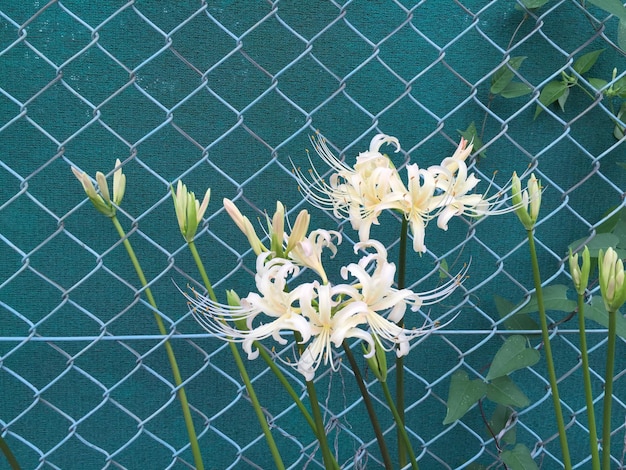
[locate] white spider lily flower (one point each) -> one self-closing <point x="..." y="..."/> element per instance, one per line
<point x="331" y="323"/>
<point x="102" y="202"/>
<point x="189" y="211"/>
<point x="359" y="194"/>
<point x="271" y="301"/>
<point x="308" y="251"/>
<point x="419" y="203"/>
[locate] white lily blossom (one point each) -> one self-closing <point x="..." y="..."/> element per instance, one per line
<point x="361" y="193"/>
<point x="323" y="314"/>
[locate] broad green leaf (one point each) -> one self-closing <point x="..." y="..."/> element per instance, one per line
<point x="515" y="89"/>
<point x="549" y="94"/>
<point x="596" y="311"/>
<point x="597" y="83"/>
<point x="471" y="135"/>
<point x="532" y="4"/>
<point x="554" y="298"/>
<point x="503" y="76"/>
<point x="614" y="7"/>
<point x="514" y="322"/>
<point x="463" y="394"/>
<point x="503" y="391"/>
<point x="514" y="354"/>
<point x="610" y="225"/>
<point x="618" y="131"/>
<point x="586" y="61"/>
<point x="499" y="420"/>
<point x="519" y="458"/>
<point x="601" y="241"/>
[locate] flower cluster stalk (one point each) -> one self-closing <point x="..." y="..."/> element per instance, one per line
<point x="9" y="455"/>
<point x="608" y="392"/>
<point x="369" y="406"/>
<point x="402" y="430"/>
<point x="404" y="231"/>
<point x="180" y="391"/>
<point x="591" y="419"/>
<point x="545" y="336"/>
<point x="580" y="278"/>
<point x="256" y="405"/>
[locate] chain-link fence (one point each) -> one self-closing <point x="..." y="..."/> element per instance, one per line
<point x="225" y="94"/>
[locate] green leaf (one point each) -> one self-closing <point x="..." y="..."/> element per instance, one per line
<point x="514" y="322"/>
<point x="600" y="241"/>
<point x="550" y="93"/>
<point x="471" y="135"/>
<point x="513" y="355"/>
<point x="503" y="76"/>
<point x="443" y="269"/>
<point x="596" y="311"/>
<point x="463" y="394"/>
<point x="515" y="89"/>
<point x="597" y="83"/>
<point x="614" y="7"/>
<point x="503" y="391"/>
<point x="499" y="420"/>
<point x="586" y="61"/>
<point x="519" y="458"/>
<point x="554" y="298"/>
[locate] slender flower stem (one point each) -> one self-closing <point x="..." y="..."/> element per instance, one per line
<point x="548" y="350"/>
<point x="182" y="396"/>
<point x="404" y="230"/>
<point x="591" y="417"/>
<point x="401" y="428"/>
<point x="9" y="455"/>
<point x="242" y="368"/>
<point x="367" y="400"/>
<point x="329" y="460"/>
<point x="330" y="463"/>
<point x="608" y="392"/>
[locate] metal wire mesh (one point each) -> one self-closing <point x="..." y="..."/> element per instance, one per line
<point x="225" y="95"/>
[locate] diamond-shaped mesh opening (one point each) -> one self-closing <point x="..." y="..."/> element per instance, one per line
<point x="225" y="95"/>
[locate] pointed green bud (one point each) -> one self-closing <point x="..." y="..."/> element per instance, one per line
<point x="376" y="360"/>
<point x="580" y="274"/>
<point x="612" y="285"/>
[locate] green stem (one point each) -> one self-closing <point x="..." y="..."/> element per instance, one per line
<point x="9" y="455"/>
<point x="404" y="230"/>
<point x="329" y="460"/>
<point x="180" y="391"/>
<point x="278" y="461"/>
<point x="548" y="350"/>
<point x="367" y="400"/>
<point x="608" y="393"/>
<point x="400" y="424"/>
<point x="591" y="417"/>
<point x="285" y="383"/>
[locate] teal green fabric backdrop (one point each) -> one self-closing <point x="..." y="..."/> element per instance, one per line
<point x="226" y="94"/>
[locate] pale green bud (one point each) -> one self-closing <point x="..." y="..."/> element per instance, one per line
<point x="189" y="211"/>
<point x="102" y="202"/>
<point x="376" y="360"/>
<point x="580" y="274"/>
<point x="612" y="285"/>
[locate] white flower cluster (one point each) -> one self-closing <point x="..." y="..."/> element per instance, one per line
<point x="362" y="192"/>
<point x="324" y="314"/>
